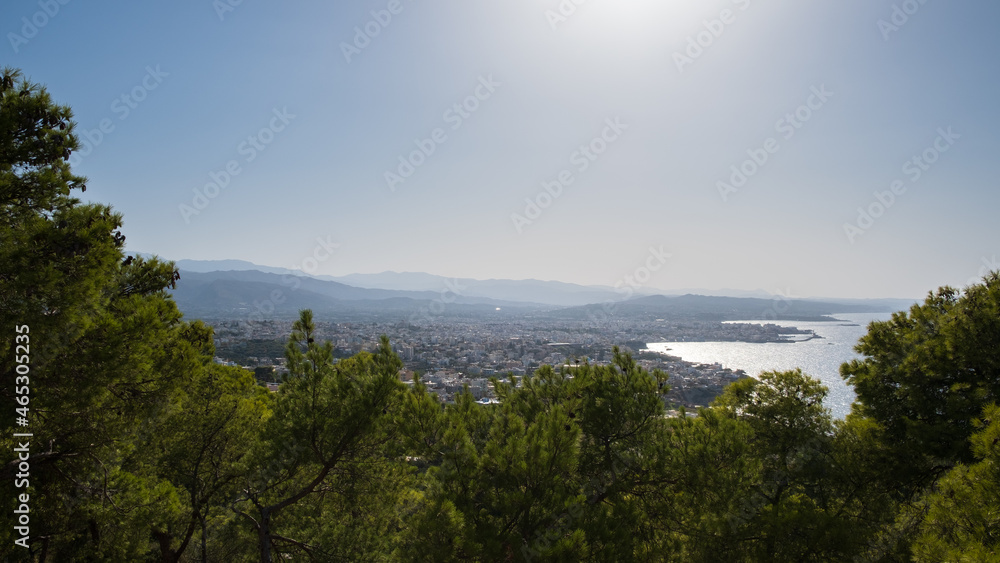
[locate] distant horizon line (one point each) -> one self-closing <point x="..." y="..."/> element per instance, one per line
<point x="756" y="293"/>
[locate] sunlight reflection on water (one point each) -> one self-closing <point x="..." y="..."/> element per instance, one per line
<point x="820" y="357"/>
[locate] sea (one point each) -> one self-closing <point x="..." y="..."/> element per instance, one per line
<point x="819" y="357"/>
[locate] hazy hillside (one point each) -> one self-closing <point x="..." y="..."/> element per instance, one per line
<point x="716" y="308"/>
<point x="241" y="293"/>
<point x="250" y="293"/>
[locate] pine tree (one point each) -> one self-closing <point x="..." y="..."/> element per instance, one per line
<point x="928" y="374"/>
<point x="323" y="453"/>
<point x="106" y="346"/>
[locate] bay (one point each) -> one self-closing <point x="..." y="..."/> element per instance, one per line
<point x="819" y="357"/>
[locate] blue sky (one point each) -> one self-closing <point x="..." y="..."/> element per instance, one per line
<point x="740" y="137"/>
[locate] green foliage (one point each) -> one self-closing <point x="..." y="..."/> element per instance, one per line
<point x="322" y="455"/>
<point x="784" y="408"/>
<point x="702" y="501"/>
<point x="790" y="515"/>
<point x="36" y="139"/>
<point x="199" y="443"/>
<point x="927" y="374"/>
<point x="925" y="377"/>
<point x="862" y="488"/>
<point x="107" y="346"/>
<point x="553" y="472"/>
<point x="963" y="515"/>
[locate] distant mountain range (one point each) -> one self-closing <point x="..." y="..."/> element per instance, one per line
<point x="253" y="294"/>
<point x="519" y="291"/>
<point x="713" y="308"/>
<point x="222" y="288"/>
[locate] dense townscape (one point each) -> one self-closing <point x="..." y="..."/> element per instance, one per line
<point x="450" y="355"/>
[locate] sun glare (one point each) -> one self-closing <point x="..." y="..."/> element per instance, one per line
<point x="647" y="12"/>
<point x="622" y="18"/>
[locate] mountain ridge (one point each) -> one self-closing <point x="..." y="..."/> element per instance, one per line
<point x="422" y="286"/>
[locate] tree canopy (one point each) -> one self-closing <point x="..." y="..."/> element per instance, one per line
<point x="927" y="374"/>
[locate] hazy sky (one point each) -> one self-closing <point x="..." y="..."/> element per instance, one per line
<point x="251" y="130"/>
